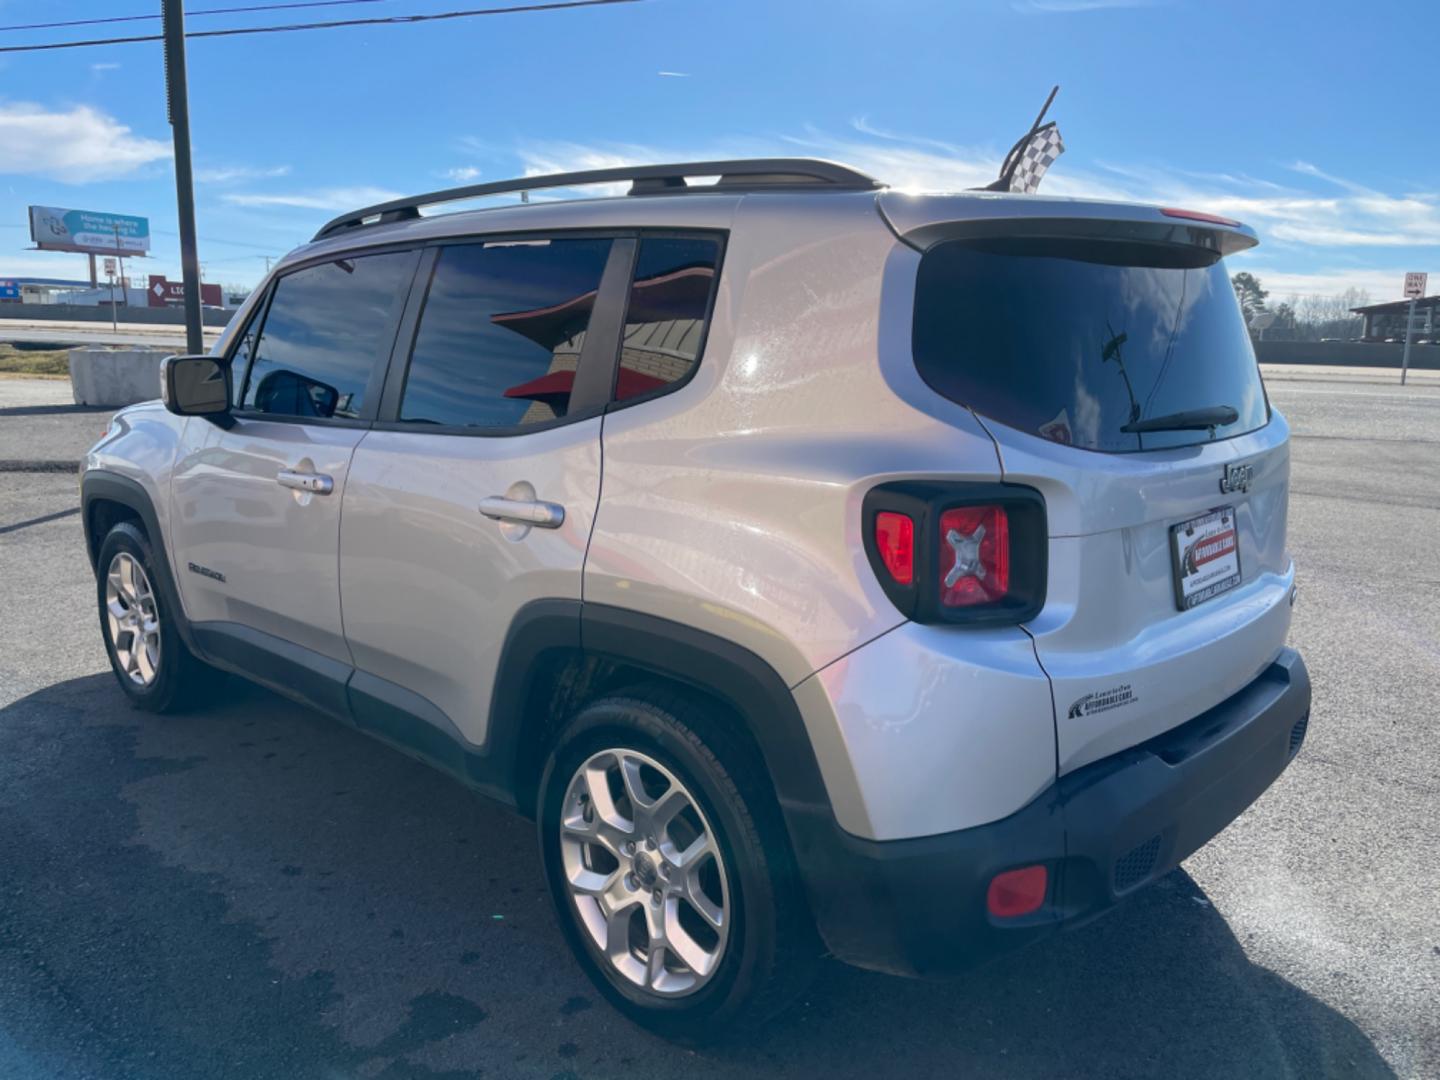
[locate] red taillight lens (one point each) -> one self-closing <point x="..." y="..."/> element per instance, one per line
<point x="895" y="540"/>
<point x="1017" y="892"/>
<point x="974" y="555"/>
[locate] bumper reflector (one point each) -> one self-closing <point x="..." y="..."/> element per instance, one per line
<point x="1017" y="892"/>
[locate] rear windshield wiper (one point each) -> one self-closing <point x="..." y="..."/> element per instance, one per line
<point x="1189" y="420"/>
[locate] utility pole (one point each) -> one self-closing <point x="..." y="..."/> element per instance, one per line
<point x="114" y="311"/>
<point x="178" y="99"/>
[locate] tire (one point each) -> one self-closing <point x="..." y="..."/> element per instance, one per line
<point x="154" y="668"/>
<point x="711" y="981"/>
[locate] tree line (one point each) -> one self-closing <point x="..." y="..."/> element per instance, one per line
<point x="1301" y="317"/>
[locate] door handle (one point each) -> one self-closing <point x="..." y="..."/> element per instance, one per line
<point x="315" y="483"/>
<point x="542" y="515"/>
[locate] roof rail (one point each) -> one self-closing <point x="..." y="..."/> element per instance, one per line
<point x="790" y="174"/>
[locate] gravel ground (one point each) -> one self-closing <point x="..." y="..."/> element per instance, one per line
<point x="254" y="891"/>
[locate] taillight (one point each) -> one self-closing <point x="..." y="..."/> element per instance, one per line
<point x="895" y="539"/>
<point x="971" y="553"/>
<point x="1017" y="892"/>
<point x="974" y="556"/>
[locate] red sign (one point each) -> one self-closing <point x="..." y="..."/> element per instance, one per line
<point x="163" y="293"/>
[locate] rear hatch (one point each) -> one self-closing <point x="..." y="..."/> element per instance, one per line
<point x="1103" y="348"/>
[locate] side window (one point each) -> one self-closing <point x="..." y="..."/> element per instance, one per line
<point x="501" y="332"/>
<point x="665" y="322"/>
<point x="243" y="352"/>
<point x="324" y="334"/>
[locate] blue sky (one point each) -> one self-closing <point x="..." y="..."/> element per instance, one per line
<point x="1309" y="120"/>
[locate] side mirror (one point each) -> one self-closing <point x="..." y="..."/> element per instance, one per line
<point x="195" y="385"/>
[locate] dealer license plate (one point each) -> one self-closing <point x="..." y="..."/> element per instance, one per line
<point x="1206" y="555"/>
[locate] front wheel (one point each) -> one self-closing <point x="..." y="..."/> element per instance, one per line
<point x="154" y="668"/>
<point x="670" y="868"/>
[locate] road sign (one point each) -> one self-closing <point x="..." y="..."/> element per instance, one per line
<point x="9" y="289"/>
<point x="1263" y="320"/>
<point x="1415" y="286"/>
<point x="109" y="267"/>
<point x="56" y="229"/>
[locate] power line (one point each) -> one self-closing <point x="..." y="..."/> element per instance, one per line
<point x="391" y="20"/>
<point x="189" y="14"/>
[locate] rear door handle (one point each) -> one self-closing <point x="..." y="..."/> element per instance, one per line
<point x="315" y="483"/>
<point x="542" y="515"/>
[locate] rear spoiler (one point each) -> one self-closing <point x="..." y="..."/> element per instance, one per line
<point x="922" y="221"/>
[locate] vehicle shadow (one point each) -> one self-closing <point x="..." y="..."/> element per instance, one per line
<point x="255" y="891"/>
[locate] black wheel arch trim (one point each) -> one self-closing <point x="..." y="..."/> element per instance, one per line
<point x="101" y="485"/>
<point x="716" y="666"/>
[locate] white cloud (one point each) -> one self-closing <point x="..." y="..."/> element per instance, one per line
<point x="75" y="145"/>
<point x="351" y="198"/>
<point x="461" y="174"/>
<point x="101" y="68"/>
<point x="1310" y="228"/>
<point x="673" y="74"/>
<point x="229" y="174"/>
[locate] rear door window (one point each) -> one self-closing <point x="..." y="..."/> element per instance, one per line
<point x="1075" y="340"/>
<point x="501" y="333"/>
<point x="328" y="329"/>
<point x="666" y="316"/>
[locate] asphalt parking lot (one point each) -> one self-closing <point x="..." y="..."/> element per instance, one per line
<point x="254" y="891"/>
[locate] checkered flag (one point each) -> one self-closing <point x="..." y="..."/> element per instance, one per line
<point x="1036" y="156"/>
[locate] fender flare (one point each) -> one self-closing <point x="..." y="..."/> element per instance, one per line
<point x="102" y="485"/>
<point x="711" y="665"/>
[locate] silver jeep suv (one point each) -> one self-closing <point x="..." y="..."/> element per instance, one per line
<point x="825" y="568"/>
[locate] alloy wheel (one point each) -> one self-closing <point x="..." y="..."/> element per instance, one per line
<point x="645" y="872"/>
<point x="133" y="619"/>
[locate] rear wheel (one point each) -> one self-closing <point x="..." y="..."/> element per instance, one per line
<point x="154" y="668"/>
<point x="670" y="869"/>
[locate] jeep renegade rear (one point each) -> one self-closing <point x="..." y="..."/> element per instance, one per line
<point x="825" y="569"/>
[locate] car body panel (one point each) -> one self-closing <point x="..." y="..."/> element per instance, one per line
<point x="272" y="547"/>
<point x="430" y="586"/>
<point x="1111" y="626"/>
<point x="733" y="504"/>
<point x="939" y="726"/>
<point x="140" y="444"/>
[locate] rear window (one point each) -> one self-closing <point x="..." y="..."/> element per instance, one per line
<point x="665" y="317"/>
<point x="1073" y="341"/>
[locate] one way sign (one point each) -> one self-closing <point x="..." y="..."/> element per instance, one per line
<point x="1415" y="286"/>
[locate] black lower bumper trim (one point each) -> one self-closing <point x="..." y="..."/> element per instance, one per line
<point x="918" y="906"/>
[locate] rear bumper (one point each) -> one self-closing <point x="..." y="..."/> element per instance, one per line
<point x="917" y="907"/>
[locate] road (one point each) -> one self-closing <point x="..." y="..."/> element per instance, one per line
<point x="97" y="333"/>
<point x="254" y="891"/>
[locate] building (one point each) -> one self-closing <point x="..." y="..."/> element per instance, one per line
<point x="33" y="290"/>
<point x="1386" y="322"/>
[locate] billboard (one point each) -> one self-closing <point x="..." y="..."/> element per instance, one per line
<point x="9" y="289"/>
<point x="163" y="293"/>
<point x="56" y="229"/>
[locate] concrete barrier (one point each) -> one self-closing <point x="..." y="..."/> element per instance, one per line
<point x="114" y="377"/>
<point x="1347" y="354"/>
